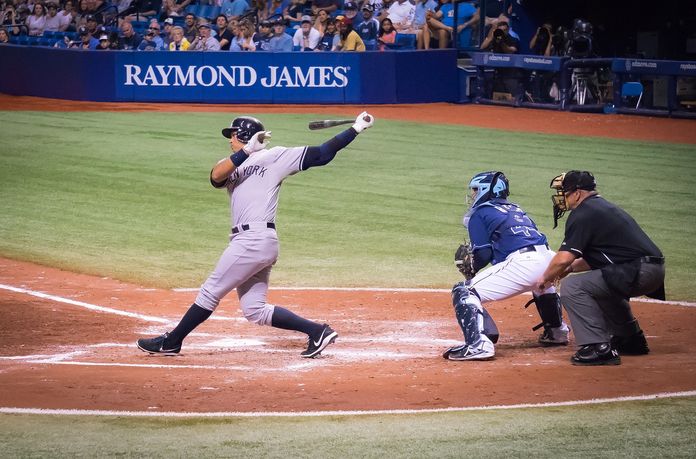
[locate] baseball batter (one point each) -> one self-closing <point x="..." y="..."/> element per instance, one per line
<point x="502" y="234"/>
<point x="252" y="175"/>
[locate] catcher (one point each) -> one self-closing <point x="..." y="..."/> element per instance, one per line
<point x="503" y="235"/>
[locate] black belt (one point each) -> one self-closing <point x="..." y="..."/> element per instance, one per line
<point x="653" y="260"/>
<point x="529" y="248"/>
<point x="245" y="227"/>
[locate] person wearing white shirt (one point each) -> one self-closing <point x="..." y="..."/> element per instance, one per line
<point x="307" y="37"/>
<point x="402" y="13"/>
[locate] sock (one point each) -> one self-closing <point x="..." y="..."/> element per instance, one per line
<point x="288" y="320"/>
<point x="195" y="316"/>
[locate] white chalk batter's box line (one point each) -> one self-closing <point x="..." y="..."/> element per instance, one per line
<point x="300" y="414"/>
<point x="419" y="290"/>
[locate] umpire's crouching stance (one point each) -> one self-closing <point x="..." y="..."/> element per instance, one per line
<point x="619" y="261"/>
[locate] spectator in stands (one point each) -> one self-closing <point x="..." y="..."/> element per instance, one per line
<point x="260" y="7"/>
<point x="53" y="21"/>
<point x="280" y="41"/>
<point x="234" y="8"/>
<point x="320" y="21"/>
<point x="190" y="27"/>
<point x="179" y="41"/>
<point x="148" y="43"/>
<point x="4" y="36"/>
<point x="439" y="25"/>
<point x="329" y="5"/>
<point x="402" y="13"/>
<point x="156" y="29"/>
<point x="224" y="36"/>
<point x="541" y="42"/>
<point x="276" y="7"/>
<point x="306" y="38"/>
<point x="11" y="21"/>
<point x="67" y="16"/>
<point x="204" y="41"/>
<point x="350" y="11"/>
<point x="350" y="40"/>
<point x="244" y="41"/>
<point x="129" y="38"/>
<point x="262" y="39"/>
<point x="384" y="11"/>
<point x="331" y="39"/>
<point x="377" y="7"/>
<point x="104" y="43"/>
<point x="422" y="8"/>
<point x="91" y="24"/>
<point x="465" y="32"/>
<point x="386" y="35"/>
<point x="36" y="21"/>
<point x="87" y="41"/>
<point x="143" y="9"/>
<point x="368" y="27"/>
<point x="178" y="7"/>
<point x="166" y="34"/>
<point x="293" y="13"/>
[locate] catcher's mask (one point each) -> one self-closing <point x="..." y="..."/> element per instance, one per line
<point x="244" y="127"/>
<point x="486" y="186"/>
<point x="566" y="183"/>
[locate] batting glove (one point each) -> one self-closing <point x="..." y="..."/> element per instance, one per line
<point x="258" y="142"/>
<point x="363" y="121"/>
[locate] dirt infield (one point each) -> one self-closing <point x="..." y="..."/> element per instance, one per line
<point x="73" y="347"/>
<point x="66" y="356"/>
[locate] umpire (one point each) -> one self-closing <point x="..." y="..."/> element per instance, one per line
<point x="615" y="260"/>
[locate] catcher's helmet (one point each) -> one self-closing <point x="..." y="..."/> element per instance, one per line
<point x="244" y="127"/>
<point x="488" y="185"/>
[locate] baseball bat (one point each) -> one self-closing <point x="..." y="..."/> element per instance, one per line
<point x="323" y="124"/>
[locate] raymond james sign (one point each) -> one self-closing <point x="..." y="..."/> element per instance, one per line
<point x="235" y="76"/>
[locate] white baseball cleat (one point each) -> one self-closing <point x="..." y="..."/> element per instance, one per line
<point x="483" y="350"/>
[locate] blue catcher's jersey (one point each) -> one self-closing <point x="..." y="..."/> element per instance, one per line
<point x="504" y="227"/>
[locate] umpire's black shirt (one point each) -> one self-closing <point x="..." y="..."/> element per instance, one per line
<point x="602" y="233"/>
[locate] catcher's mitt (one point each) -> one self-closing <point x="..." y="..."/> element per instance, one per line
<point x="464" y="259"/>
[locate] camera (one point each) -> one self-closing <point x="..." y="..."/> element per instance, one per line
<point x="498" y="34"/>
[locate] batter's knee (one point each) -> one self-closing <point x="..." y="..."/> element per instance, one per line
<point x="258" y="313"/>
<point x="207" y="300"/>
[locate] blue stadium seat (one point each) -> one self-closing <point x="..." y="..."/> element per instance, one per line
<point x="403" y="41"/>
<point x="21" y="40"/>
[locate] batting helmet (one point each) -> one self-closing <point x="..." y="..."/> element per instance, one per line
<point x="488" y="185"/>
<point x="244" y="127"/>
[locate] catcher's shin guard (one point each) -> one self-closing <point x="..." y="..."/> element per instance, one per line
<point x="549" y="307"/>
<point x="473" y="319"/>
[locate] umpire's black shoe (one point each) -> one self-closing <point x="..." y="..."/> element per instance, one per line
<point x="315" y="346"/>
<point x="635" y="344"/>
<point x="596" y="354"/>
<point x="158" y="346"/>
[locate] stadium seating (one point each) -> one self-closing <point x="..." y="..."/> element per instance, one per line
<point x="403" y="41"/>
<point x="632" y="89"/>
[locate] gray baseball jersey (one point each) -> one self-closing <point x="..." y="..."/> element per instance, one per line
<point x="253" y="249"/>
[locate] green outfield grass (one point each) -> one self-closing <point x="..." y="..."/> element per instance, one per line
<point x="126" y="195"/>
<point x="657" y="428"/>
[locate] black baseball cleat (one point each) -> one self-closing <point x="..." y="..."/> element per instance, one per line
<point x="156" y="345"/>
<point x="314" y="347"/>
<point x="596" y="354"/>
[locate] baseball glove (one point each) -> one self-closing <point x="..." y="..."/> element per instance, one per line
<point x="464" y="259"/>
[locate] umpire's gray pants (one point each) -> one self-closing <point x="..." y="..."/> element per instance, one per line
<point x="596" y="313"/>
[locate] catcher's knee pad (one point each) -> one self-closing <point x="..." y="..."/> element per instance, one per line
<point x="258" y="313"/>
<point x="468" y="310"/>
<point x="549" y="307"/>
